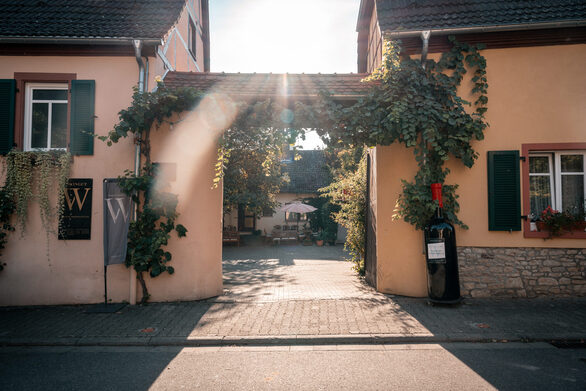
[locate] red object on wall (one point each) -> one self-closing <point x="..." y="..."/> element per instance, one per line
<point x="436" y="193"/>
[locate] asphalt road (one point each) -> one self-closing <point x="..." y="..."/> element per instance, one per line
<point x="463" y="366"/>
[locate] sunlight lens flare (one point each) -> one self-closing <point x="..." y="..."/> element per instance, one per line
<point x="191" y="145"/>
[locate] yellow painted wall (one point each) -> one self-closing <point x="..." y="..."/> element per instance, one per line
<point x="536" y="95"/>
<point x="400" y="262"/>
<point x="73" y="272"/>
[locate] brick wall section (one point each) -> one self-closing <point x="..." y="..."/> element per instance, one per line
<point x="522" y="272"/>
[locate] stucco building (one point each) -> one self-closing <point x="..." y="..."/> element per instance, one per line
<point x="533" y="154"/>
<point x="82" y="59"/>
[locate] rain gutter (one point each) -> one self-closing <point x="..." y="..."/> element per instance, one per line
<point x="78" y="41"/>
<point x="488" y="29"/>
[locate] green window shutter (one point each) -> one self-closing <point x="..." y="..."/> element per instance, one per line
<point x="82" y="117"/>
<point x="7" y="94"/>
<point x="504" y="198"/>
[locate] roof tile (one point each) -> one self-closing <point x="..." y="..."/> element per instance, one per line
<point x="306" y="174"/>
<point x="405" y="15"/>
<point x="89" y="18"/>
<point x="263" y="85"/>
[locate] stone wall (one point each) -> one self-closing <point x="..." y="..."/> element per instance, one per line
<point x="522" y="272"/>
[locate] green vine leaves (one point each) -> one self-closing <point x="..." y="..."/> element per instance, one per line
<point x="419" y="107"/>
<point x="156" y="211"/>
<point x="151" y="108"/>
<point x="6" y="210"/>
<point x="349" y="193"/>
<point x="49" y="170"/>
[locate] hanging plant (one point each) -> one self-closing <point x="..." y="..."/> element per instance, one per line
<point x="50" y="171"/>
<point x="6" y="211"/>
<point x="19" y="182"/>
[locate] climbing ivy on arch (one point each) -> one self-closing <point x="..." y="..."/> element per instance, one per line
<point x="258" y="128"/>
<point x="421" y="107"/>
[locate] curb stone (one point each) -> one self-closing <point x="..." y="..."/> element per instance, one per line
<point x="366" y="339"/>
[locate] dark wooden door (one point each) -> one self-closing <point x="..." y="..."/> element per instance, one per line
<point x="246" y="220"/>
<point x="370" y="245"/>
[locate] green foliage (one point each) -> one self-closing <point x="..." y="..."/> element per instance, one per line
<point x="556" y="222"/>
<point x="248" y="161"/>
<point x="19" y="182"/>
<point x="156" y="210"/>
<point x="250" y="156"/>
<point x="322" y="220"/>
<point x="151" y="108"/>
<point x="49" y="171"/>
<point x="348" y="192"/>
<point x="420" y="108"/>
<point x="7" y="208"/>
<point x="155" y="221"/>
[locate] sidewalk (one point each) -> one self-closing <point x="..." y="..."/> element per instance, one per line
<point x="388" y="320"/>
<point x="283" y="295"/>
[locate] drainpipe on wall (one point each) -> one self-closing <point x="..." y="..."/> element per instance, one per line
<point x="425" y="38"/>
<point x="146" y="74"/>
<point x="137" y="44"/>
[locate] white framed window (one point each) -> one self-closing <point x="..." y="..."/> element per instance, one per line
<point x="192" y="39"/>
<point x="557" y="179"/>
<point x="45" y="116"/>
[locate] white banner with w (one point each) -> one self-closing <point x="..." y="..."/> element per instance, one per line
<point x="117" y="211"/>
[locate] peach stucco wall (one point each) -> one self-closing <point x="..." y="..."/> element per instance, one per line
<point x="536" y="95"/>
<point x="71" y="272"/>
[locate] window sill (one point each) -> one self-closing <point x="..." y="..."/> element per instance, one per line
<point x="545" y="234"/>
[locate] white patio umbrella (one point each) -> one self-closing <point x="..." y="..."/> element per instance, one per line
<point x="298" y="207"/>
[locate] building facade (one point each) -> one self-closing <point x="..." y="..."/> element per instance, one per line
<point x="533" y="154"/>
<point x="77" y="63"/>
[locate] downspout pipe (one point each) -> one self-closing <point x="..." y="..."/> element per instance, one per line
<point x="425" y="46"/>
<point x="489" y="29"/>
<point x="137" y="45"/>
<point x="425" y="39"/>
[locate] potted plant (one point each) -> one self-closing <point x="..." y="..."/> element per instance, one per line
<point x="556" y="222"/>
<point x="319" y="239"/>
<point x="330" y="237"/>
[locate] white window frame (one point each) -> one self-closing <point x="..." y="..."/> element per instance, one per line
<point x="558" y="174"/>
<point x="28" y="110"/>
<point x="555" y="174"/>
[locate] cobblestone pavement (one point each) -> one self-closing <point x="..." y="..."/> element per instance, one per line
<point x="291" y="272"/>
<point x="292" y="293"/>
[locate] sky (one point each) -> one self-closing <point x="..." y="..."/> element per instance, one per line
<point x="279" y="36"/>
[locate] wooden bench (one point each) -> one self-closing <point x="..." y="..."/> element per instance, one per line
<point x="231" y="237"/>
<point x="279" y="234"/>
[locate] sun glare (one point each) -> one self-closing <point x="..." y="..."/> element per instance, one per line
<point x="282" y="36"/>
<point x="191" y="141"/>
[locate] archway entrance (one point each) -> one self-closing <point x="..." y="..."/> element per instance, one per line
<point x="268" y="256"/>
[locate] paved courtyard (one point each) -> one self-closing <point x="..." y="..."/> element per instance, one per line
<point x="291" y="272"/>
<point x="293" y="294"/>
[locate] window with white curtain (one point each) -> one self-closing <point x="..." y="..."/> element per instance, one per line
<point x="557" y="179"/>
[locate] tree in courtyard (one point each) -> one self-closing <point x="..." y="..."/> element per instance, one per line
<point x="251" y="157"/>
